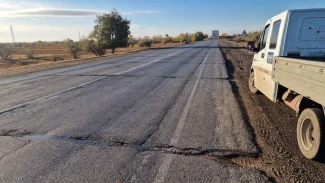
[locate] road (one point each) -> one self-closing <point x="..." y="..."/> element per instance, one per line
<point x="163" y="116"/>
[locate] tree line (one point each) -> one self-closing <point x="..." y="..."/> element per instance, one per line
<point x="110" y="32"/>
<point x="251" y="36"/>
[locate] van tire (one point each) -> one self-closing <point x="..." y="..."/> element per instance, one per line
<point x="310" y="133"/>
<point x="251" y="84"/>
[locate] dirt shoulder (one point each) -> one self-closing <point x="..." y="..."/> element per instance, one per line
<point x="48" y="65"/>
<point x="273" y="125"/>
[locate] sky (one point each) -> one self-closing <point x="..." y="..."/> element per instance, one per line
<point x="55" y="20"/>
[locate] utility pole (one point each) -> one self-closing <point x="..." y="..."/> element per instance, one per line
<point x="79" y="35"/>
<point x="12" y="34"/>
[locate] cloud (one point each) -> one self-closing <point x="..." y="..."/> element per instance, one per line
<point x="62" y="13"/>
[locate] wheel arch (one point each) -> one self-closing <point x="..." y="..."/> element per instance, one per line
<point x="296" y="101"/>
<point x="307" y="103"/>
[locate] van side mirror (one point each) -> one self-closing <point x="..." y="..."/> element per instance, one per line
<point x="251" y="47"/>
<point x="257" y="49"/>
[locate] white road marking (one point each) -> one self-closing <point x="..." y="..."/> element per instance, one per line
<point x="44" y="98"/>
<point x="164" y="167"/>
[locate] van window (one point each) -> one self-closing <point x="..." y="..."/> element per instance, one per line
<point x="265" y="34"/>
<point x="275" y="33"/>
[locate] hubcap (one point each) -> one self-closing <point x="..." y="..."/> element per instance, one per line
<point x="308" y="134"/>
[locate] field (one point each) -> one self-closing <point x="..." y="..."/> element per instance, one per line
<point x="44" y="54"/>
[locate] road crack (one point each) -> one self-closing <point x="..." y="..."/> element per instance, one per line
<point x="226" y="154"/>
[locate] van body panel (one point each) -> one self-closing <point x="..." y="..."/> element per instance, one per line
<point x="306" y="40"/>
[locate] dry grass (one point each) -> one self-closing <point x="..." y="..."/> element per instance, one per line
<point x="43" y="54"/>
<point x="19" y="65"/>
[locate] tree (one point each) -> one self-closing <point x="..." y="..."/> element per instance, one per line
<point x="181" y="38"/>
<point x="6" y="50"/>
<point x="194" y="38"/>
<point x="200" y="36"/>
<point x="206" y="36"/>
<point x="111" y="31"/>
<point x="224" y="35"/>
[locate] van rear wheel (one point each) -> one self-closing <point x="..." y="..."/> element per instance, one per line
<point x="251" y="83"/>
<point x="310" y="133"/>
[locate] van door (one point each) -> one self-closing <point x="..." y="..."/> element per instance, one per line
<point x="261" y="72"/>
<point x="264" y="60"/>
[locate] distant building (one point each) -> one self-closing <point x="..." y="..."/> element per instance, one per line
<point x="244" y="34"/>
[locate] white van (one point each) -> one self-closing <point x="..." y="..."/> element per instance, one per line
<point x="289" y="66"/>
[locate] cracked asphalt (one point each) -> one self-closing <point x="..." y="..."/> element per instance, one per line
<point x="163" y="116"/>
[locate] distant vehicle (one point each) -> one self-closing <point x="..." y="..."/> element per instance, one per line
<point x="215" y="34"/>
<point x="289" y="66"/>
<point x="186" y="42"/>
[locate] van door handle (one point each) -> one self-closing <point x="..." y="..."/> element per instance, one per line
<point x="263" y="55"/>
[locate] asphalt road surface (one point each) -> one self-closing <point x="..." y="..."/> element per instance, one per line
<point x="163" y="116"/>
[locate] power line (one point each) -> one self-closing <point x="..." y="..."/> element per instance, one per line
<point x="12" y="34"/>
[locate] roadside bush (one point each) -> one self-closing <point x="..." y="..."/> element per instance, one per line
<point x="6" y="50"/>
<point x="157" y="39"/>
<point x="145" y="43"/>
<point x="57" y="58"/>
<point x="92" y="46"/>
<point x="239" y="39"/>
<point x="253" y="36"/>
<point x="72" y="47"/>
<point x="29" y="52"/>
